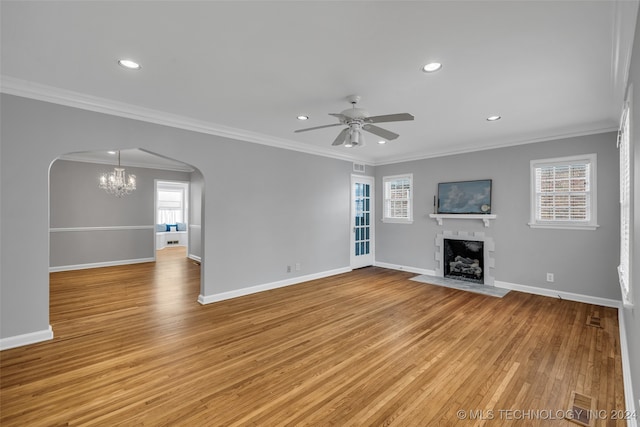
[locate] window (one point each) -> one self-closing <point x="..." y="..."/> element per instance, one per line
<point x="563" y="193"/>
<point x="398" y="198"/>
<point x="624" y="145"/>
<point x="171" y="202"/>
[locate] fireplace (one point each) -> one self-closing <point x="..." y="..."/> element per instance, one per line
<point x="464" y="260"/>
<point x="465" y="256"/>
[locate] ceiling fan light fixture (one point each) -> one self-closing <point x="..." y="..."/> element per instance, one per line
<point x="303" y="117"/>
<point x="382" y="141"/>
<point x="354" y="137"/>
<point x="493" y="118"/>
<point x="432" y="67"/>
<point x="359" y="121"/>
<point x="129" y="64"/>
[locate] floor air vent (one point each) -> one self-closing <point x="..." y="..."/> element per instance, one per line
<point x="594" y="320"/>
<point x="581" y="409"/>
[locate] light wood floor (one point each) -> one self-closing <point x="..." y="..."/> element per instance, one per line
<point x="133" y="347"/>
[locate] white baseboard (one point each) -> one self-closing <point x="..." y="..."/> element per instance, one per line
<point x="26" y="339"/>
<point x="405" y="268"/>
<point x="208" y="299"/>
<point x="99" y="264"/>
<point x="605" y="302"/>
<point x="629" y="401"/>
<point x="194" y="257"/>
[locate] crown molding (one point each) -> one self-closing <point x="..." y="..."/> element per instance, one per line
<point x="40" y="92"/>
<point x="551" y="137"/>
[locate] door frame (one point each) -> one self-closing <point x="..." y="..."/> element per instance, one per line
<point x="372" y="252"/>
<point x="187" y="208"/>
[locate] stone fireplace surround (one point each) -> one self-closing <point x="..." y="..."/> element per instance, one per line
<point x="489" y="251"/>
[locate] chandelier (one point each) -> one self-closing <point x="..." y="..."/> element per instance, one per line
<point x="116" y="182"/>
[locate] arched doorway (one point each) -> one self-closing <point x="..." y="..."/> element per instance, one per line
<point x="90" y="228"/>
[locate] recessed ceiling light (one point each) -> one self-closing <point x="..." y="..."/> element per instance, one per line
<point x="493" y="118"/>
<point x="432" y="67"/>
<point x="382" y="141"/>
<point x="127" y="63"/>
<point x="112" y="152"/>
<point x="303" y="117"/>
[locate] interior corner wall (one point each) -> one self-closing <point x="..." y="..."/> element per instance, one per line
<point x="632" y="315"/>
<point x="264" y="207"/>
<point x="583" y="262"/>
<point x="89" y="226"/>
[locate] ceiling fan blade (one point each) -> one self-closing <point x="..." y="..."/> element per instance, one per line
<point x="341" y="137"/>
<point x="383" y="133"/>
<point x="318" y="127"/>
<point x="400" y="117"/>
<point x="340" y="116"/>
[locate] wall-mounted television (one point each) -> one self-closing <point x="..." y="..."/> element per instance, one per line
<point x="464" y="197"/>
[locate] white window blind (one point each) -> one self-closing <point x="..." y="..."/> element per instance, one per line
<point x="171" y="206"/>
<point x="398" y="198"/>
<point x="624" y="142"/>
<point x="563" y="192"/>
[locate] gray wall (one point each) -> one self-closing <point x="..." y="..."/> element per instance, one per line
<point x="264" y="207"/>
<point x="584" y="262"/>
<point x="77" y="202"/>
<point x="632" y="315"/>
<point x="196" y="192"/>
<point x="272" y="208"/>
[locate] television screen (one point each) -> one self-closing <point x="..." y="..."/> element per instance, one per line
<point x="464" y="197"/>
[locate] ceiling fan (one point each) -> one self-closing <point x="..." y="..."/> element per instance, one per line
<point x="357" y="120"/>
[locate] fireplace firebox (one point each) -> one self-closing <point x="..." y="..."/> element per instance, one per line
<point x="478" y="247"/>
<point x="464" y="260"/>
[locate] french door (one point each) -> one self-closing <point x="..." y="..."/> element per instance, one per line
<point x="362" y="221"/>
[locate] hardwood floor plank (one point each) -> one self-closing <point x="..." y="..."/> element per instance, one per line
<point x="133" y="347"/>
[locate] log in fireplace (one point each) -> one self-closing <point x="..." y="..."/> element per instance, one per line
<point x="464" y="260"/>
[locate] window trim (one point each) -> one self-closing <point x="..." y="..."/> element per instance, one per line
<point x="592" y="224"/>
<point x="391" y="220"/>
<point x="626" y="241"/>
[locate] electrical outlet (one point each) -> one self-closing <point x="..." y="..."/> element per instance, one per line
<point x="298" y="266"/>
<point x="288" y="269"/>
<point x="550" y="277"/>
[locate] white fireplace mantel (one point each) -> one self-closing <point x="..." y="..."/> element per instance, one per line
<point x="484" y="217"/>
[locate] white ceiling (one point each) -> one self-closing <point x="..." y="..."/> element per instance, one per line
<point x="248" y="68"/>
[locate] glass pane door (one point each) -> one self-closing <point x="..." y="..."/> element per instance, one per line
<point x="363" y="219"/>
<point x="362" y="226"/>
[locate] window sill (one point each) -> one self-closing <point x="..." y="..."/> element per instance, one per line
<point x="397" y="221"/>
<point x="590" y="227"/>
